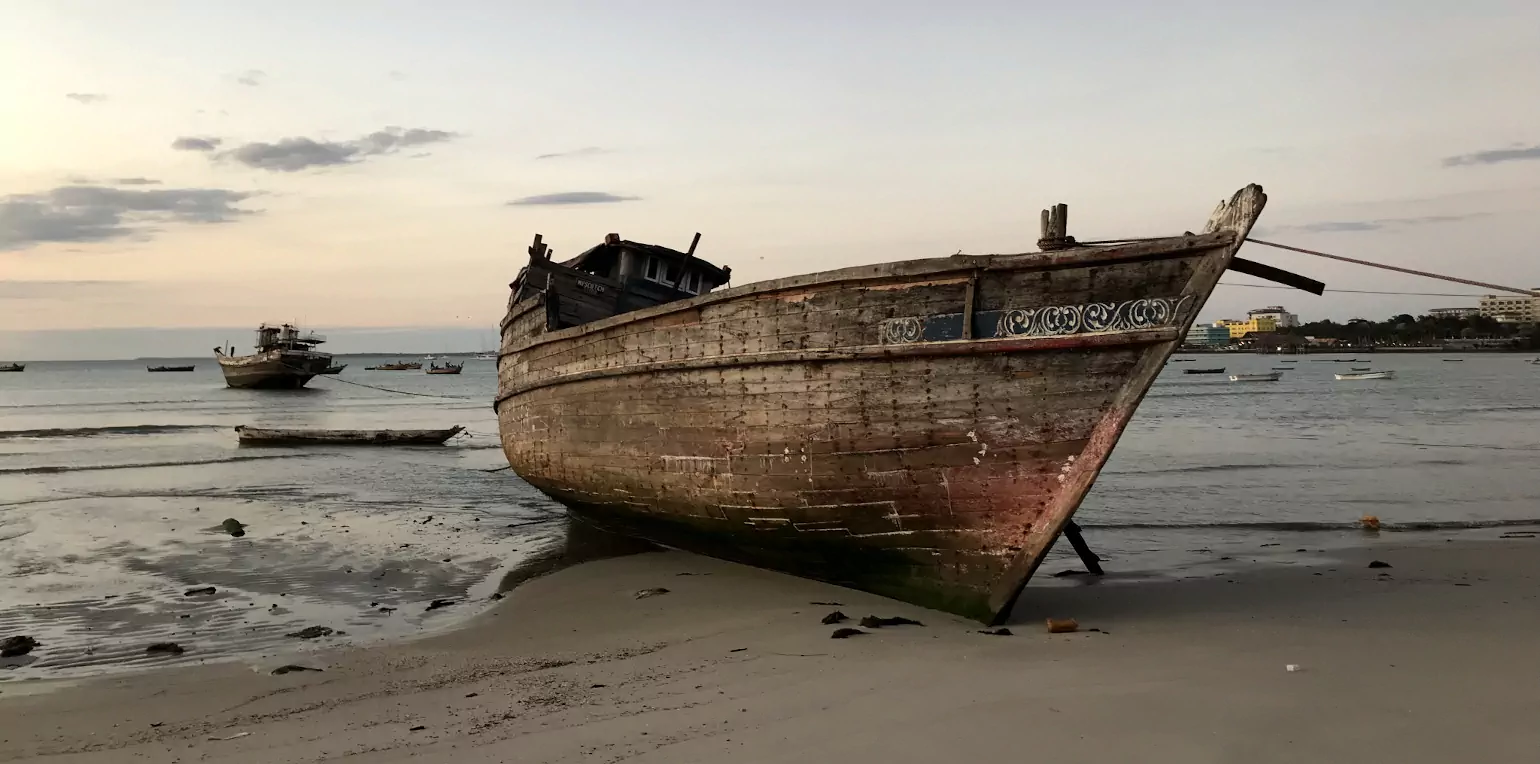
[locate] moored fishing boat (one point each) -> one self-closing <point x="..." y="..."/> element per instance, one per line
<point x="257" y="436"/>
<point x="1367" y="375"/>
<point x="1269" y="377"/>
<point x="920" y="429"/>
<point x="447" y="368"/>
<point x="397" y="366"/>
<point x="13" y="367"/>
<point x="286" y="358"/>
<point x="1215" y="370"/>
<point x="335" y="368"/>
<point x="169" y="368"/>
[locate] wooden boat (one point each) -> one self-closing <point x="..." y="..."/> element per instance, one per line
<point x="255" y="436"/>
<point x="398" y="366"/>
<point x="920" y="429"/>
<point x="13" y="367"/>
<point x="1183" y="360"/>
<point x="1282" y="368"/>
<point x="1362" y="368"/>
<point x="1216" y="370"/>
<point x="1454" y="360"/>
<point x="1269" y="377"/>
<point x="286" y="358"/>
<point x="447" y="368"/>
<point x="334" y="368"/>
<point x="1288" y="362"/>
<point x="169" y="368"/>
<point x="1367" y="375"/>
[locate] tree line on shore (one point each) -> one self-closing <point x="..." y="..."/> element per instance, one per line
<point x="1406" y="329"/>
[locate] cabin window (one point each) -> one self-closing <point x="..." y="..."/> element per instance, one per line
<point x="691" y="282"/>
<point x="652" y="269"/>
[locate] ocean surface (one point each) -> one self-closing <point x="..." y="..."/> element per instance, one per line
<point x="114" y="482"/>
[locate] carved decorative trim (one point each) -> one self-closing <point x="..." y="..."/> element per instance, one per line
<point x="1046" y="321"/>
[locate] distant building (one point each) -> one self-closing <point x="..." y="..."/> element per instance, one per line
<point x="1514" y="307"/>
<point x="1208" y="336"/>
<point x="1255" y="324"/>
<point x="1454" y="312"/>
<point x="1281" y="318"/>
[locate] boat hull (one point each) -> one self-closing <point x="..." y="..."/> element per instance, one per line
<point x="922" y="430"/>
<point x="254" y="436"/>
<point x="273" y="370"/>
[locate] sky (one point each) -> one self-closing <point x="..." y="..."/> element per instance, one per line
<point x="172" y="172"/>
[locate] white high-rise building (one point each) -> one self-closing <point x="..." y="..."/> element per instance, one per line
<point x="1511" y="306"/>
<point x="1281" y="317"/>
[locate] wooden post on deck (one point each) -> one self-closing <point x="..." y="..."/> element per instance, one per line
<point x="1092" y="562"/>
<point x="538" y="250"/>
<point x="1055" y="229"/>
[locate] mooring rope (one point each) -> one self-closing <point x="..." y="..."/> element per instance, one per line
<point x="1396" y="268"/>
<point x="1351" y="291"/>
<point x="384" y="389"/>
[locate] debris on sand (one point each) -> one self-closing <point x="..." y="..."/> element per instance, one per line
<point x="199" y="591"/>
<point x="165" y="648"/>
<point x="311" y="632"/>
<point x="1062" y="625"/>
<point x="233" y="527"/>
<point x="1379" y="564"/>
<point x="835" y="617"/>
<point x="845" y="633"/>
<point x="291" y="668"/>
<point x="828" y="604"/>
<point x="1000" y="632"/>
<point x="1072" y="572"/>
<point x="436" y="604"/>
<point x="873" y="622"/>
<point x="653" y="592"/>
<point x="16" y="646"/>
<point x="1369" y="523"/>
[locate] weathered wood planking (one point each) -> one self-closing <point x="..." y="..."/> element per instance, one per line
<point x="921" y="429"/>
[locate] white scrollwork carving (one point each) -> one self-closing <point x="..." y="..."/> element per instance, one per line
<point x="901" y="330"/>
<point x="1061" y="320"/>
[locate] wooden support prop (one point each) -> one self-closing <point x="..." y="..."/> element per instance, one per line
<point x="1055" y="229"/>
<point x="693" y="243"/>
<point x="968" y="298"/>
<point x="1092" y="562"/>
<point x="538" y="249"/>
<point x="1276" y="275"/>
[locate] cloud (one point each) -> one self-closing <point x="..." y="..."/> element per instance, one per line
<point x="572" y="197"/>
<point x="396" y="75"/>
<point x="194" y="143"/>
<point x="91" y="213"/>
<point x="12" y="289"/>
<point x="136" y="182"/>
<point x="1378" y="224"/>
<point x="1494" y="156"/>
<point x="583" y="152"/>
<point x="251" y="77"/>
<point x="86" y="98"/>
<point x="301" y="153"/>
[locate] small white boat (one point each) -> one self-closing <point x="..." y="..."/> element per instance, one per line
<point x="1268" y="377"/>
<point x="1368" y="375"/>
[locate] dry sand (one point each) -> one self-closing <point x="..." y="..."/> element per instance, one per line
<point x="1434" y="662"/>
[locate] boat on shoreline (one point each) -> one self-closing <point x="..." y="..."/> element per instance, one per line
<point x="1269" y="377"/>
<point x="922" y="429"/>
<point x="286" y="359"/>
<point x="1367" y="375"/>
<point x="13" y="367"/>
<point x="256" y="436"/>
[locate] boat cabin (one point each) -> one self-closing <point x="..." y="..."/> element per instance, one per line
<point x="615" y="277"/>
<point x="286" y="337"/>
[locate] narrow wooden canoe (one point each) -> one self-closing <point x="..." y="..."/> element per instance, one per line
<point x="1273" y="376"/>
<point x="254" y="436"/>
<point x="920" y="429"/>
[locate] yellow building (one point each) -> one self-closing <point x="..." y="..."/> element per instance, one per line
<point x="1254" y="325"/>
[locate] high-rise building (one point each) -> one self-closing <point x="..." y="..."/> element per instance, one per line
<point x="1512" y="307"/>
<point x="1253" y="325"/>
<point x="1203" y="335"/>
<point x="1454" y="312"/>
<point x="1281" y="318"/>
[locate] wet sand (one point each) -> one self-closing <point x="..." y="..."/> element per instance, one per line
<point x="1429" y="660"/>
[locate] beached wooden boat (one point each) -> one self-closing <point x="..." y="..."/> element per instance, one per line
<point x="13" y="367"/>
<point x="169" y="368"/>
<point x="254" y="436"/>
<point x="1215" y="370"/>
<point x="1367" y="375"/>
<point x="286" y="359"/>
<point x="334" y="368"/>
<point x="447" y="368"/>
<point x="920" y="429"/>
<point x="1269" y="377"/>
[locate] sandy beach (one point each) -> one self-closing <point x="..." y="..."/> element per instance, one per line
<point x="1427" y="660"/>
